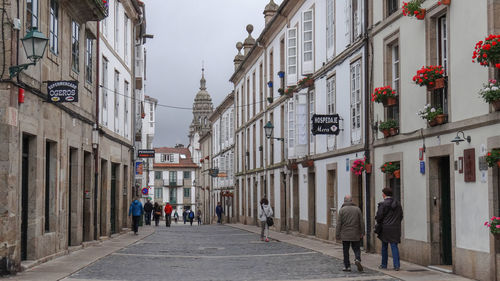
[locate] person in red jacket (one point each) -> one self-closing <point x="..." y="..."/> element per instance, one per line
<point x="168" y="214"/>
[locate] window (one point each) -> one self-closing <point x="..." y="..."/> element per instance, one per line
<point x="173" y="178"/>
<point x="307" y="47"/>
<point x="440" y="96"/>
<point x="261" y="87"/>
<point x="330" y="107"/>
<point x="330" y="27"/>
<point x="117" y="100"/>
<point x="292" y="55"/>
<point x="125" y="107"/>
<point x="54" y="27"/>
<point x="187" y="174"/>
<point x="104" y="24"/>
<point x="187" y="192"/>
<point x="125" y="38"/>
<point x="173" y="195"/>
<point x="104" y="90"/>
<point x="392" y="6"/>
<point x="158" y="175"/>
<point x="75" y="46"/>
<point x="231" y="123"/>
<point x="393" y="111"/>
<point x="291" y="124"/>
<point x="117" y="24"/>
<point x="353" y="20"/>
<point x="151" y="112"/>
<point x="31" y="14"/>
<point x="88" y="59"/>
<point x="271" y="72"/>
<point x="253" y="95"/>
<point x="312" y="110"/>
<point x="356" y="102"/>
<point x="158" y="192"/>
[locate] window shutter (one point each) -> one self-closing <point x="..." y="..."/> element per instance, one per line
<point x="291" y="62"/>
<point x="469" y="165"/>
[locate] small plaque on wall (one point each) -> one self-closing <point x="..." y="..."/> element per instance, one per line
<point x="470" y="165"/>
<point x="483" y="165"/>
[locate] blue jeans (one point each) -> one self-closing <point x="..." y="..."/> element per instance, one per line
<point x="395" y="254"/>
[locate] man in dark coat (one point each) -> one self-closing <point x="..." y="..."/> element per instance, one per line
<point x="148" y="209"/>
<point x="350" y="230"/>
<point x="388" y="218"/>
<point x="219" y="211"/>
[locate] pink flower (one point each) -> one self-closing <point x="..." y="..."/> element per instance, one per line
<point x="489" y="225"/>
<point x="485" y="223"/>
<point x="493" y="218"/>
<point x="498" y="226"/>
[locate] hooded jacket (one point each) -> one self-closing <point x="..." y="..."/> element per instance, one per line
<point x="265" y="211"/>
<point x="168" y="209"/>
<point x="148" y="207"/>
<point x="390" y="215"/>
<point x="135" y="209"/>
<point x="350" y="224"/>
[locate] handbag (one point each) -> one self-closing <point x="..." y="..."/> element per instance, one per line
<point x="378" y="229"/>
<point x="158" y="213"/>
<point x="269" y="220"/>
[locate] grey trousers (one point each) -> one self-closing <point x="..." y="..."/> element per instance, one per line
<point x="264" y="226"/>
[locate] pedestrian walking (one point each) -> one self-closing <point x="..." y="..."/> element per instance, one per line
<point x="265" y="212"/>
<point x="350" y="230"/>
<point x="176" y="216"/>
<point x="191" y="216"/>
<point x="388" y="227"/>
<point x="148" y="209"/>
<point x="219" y="211"/>
<point x="168" y="214"/>
<point x="157" y="213"/>
<point x="184" y="216"/>
<point x="136" y="211"/>
<point x="198" y="216"/>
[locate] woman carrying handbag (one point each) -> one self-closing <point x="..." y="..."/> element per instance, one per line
<point x="157" y="213"/>
<point x="265" y="217"/>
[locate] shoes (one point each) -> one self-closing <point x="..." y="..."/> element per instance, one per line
<point x="396" y="269"/>
<point x="267" y="239"/>
<point x="381" y="267"/>
<point x="347" y="269"/>
<point x="358" y="264"/>
<point x="135" y="233"/>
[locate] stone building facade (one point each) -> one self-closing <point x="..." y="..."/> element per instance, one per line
<point x="55" y="189"/>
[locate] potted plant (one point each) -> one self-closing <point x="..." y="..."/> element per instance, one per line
<point x="430" y="76"/>
<point x="389" y="128"/>
<point x="444" y="2"/>
<point x="358" y="166"/>
<point x="289" y="91"/>
<point x="281" y="91"/>
<point x="390" y="168"/>
<point x="494" y="225"/>
<point x="434" y="116"/>
<point x="385" y="95"/>
<point x="487" y="52"/>
<point x="270" y="99"/>
<point x="414" y="9"/>
<point x="491" y="94"/>
<point x="307" y="81"/>
<point x="493" y="158"/>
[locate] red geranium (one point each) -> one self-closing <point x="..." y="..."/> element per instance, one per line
<point x="428" y="74"/>
<point x="382" y="93"/>
<point x="412" y="8"/>
<point x="487" y="52"/>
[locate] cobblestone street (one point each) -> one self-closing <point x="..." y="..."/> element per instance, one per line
<point x="216" y="253"/>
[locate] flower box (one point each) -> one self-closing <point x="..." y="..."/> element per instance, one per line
<point x="307" y="81"/>
<point x="397" y="174"/>
<point x="389" y="128"/>
<point x="441" y="118"/>
<point x="386" y="133"/>
<point x="307" y="163"/>
<point x="487" y="52"/>
<point x="496" y="105"/>
<point x="491" y="93"/>
<point x="421" y="14"/>
<point x="389" y="168"/>
<point x="390" y="102"/>
<point x="393" y="131"/>
<point x="385" y="95"/>
<point x="438" y="84"/>
<point x="444" y="2"/>
<point x="427" y="75"/>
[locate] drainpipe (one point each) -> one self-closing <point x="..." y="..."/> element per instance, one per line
<point x="367" y="131"/>
<point x="96" y="128"/>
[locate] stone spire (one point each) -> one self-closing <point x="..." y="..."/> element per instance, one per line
<point x="250" y="41"/>
<point x="270" y="11"/>
<point x="238" y="59"/>
<point x="202" y="108"/>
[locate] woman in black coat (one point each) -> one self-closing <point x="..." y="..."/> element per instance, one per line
<point x="389" y="217"/>
<point x="157" y="213"/>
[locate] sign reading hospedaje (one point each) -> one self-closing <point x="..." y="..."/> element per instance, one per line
<point x="325" y="124"/>
<point x="62" y="91"/>
<point x="146" y="153"/>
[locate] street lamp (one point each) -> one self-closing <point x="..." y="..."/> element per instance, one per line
<point x="268" y="128"/>
<point x="34" y="44"/>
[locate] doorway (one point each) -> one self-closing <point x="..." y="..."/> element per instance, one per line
<point x="113" y="199"/>
<point x="255" y="201"/>
<point x="357" y="190"/>
<point x="311" y="212"/>
<point x="72" y="195"/>
<point x="87" y="187"/>
<point x="296" y="205"/>
<point x="125" y="197"/>
<point x="27" y="183"/>
<point x="103" y="199"/>
<point x="440" y="211"/>
<point x="331" y="203"/>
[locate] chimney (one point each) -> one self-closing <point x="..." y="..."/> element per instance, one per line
<point x="250" y="41"/>
<point x="270" y="11"/>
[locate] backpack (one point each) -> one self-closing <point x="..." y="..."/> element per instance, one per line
<point x="191" y="215"/>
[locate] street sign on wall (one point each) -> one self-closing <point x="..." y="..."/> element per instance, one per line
<point x="146" y="153"/>
<point x="325" y="124"/>
<point x="139" y="168"/>
<point x="62" y="91"/>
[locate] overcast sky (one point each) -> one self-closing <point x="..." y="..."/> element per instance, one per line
<point x="186" y="33"/>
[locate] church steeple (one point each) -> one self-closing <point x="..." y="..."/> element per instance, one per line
<point x="203" y="82"/>
<point x="202" y="108"/>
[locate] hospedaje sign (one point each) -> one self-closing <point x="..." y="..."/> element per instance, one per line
<point x="62" y="91"/>
<point x="325" y="124"/>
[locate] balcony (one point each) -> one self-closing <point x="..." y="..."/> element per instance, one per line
<point x="175" y="183"/>
<point x="88" y="10"/>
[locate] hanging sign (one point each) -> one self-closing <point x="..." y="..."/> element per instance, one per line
<point x="139" y="166"/>
<point x="146" y="153"/>
<point x="62" y="91"/>
<point x="325" y="124"/>
<point x="145" y="191"/>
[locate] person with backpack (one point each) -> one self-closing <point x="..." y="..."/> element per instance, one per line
<point x="176" y="216"/>
<point x="148" y="209"/>
<point x="265" y="217"/>
<point x="191" y="217"/>
<point x="157" y="213"/>
<point x="136" y="211"/>
<point x="168" y="214"/>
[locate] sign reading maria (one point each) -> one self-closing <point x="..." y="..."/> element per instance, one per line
<point x="325" y="124"/>
<point x="62" y="91"/>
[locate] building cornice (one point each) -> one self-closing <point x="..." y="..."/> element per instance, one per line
<point x="225" y="104"/>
